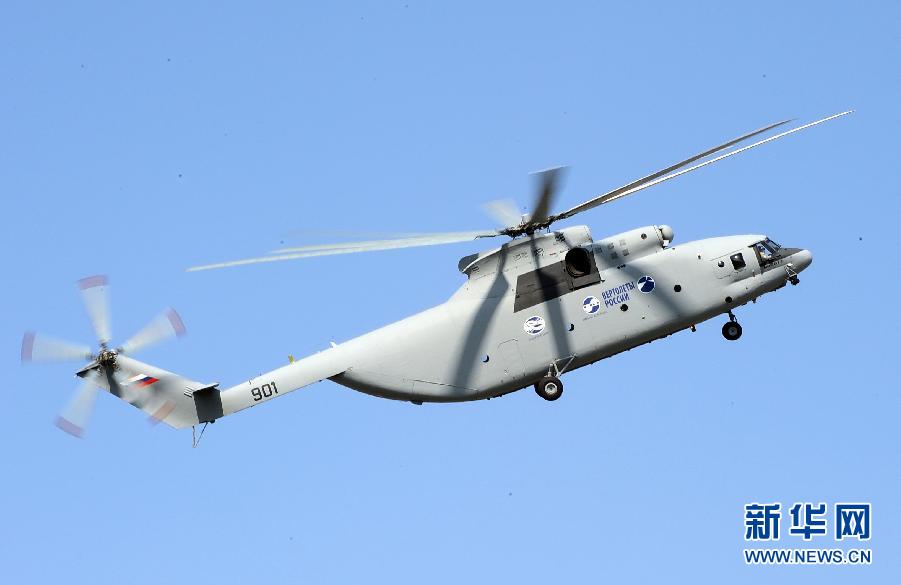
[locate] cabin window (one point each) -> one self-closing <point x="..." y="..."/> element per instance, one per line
<point x="738" y="261"/>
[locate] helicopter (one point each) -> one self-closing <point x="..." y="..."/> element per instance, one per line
<point x="546" y="302"/>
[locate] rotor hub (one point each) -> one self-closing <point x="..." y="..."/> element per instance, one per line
<point x="107" y="358"/>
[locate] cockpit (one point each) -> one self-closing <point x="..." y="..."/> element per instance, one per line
<point x="767" y="251"/>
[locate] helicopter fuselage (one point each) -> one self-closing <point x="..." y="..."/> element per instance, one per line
<point x="526" y="311"/>
<point x="536" y="307"/>
<point x="544" y="303"/>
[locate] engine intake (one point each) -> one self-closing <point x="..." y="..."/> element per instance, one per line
<point x="577" y="262"/>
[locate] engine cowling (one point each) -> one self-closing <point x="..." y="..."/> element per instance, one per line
<point x="619" y="249"/>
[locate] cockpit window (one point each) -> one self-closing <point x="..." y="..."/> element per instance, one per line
<point x="766" y="250"/>
<point x="763" y="251"/>
<point x="738" y="261"/>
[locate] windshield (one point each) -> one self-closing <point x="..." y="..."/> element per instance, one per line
<point x="762" y="251"/>
<point x="766" y="249"/>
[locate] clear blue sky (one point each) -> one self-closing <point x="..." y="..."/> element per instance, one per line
<point x="137" y="141"/>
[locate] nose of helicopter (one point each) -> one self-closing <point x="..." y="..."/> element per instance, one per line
<point x="801" y="260"/>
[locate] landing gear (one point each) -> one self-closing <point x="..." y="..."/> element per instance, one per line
<point x="732" y="330"/>
<point x="549" y="388"/>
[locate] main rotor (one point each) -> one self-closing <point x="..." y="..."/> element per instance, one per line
<point x="540" y="218"/>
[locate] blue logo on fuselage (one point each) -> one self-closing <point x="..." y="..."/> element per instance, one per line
<point x="591" y="305"/>
<point x="534" y="325"/>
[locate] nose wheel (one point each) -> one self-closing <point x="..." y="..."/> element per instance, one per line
<point x="732" y="330"/>
<point x="549" y="388"/>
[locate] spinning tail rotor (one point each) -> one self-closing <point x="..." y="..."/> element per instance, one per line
<point x="103" y="368"/>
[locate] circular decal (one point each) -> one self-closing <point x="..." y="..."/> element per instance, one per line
<point x="534" y="325"/>
<point x="645" y="284"/>
<point x="591" y="305"/>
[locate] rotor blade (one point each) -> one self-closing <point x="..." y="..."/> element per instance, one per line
<point x="350" y="234"/>
<point x="74" y="418"/>
<point x="547" y="192"/>
<point x="352" y="247"/>
<point x="592" y="203"/>
<point x="161" y="413"/>
<point x="114" y="383"/>
<point x="40" y="348"/>
<point x="388" y="244"/>
<point x="165" y="325"/>
<point x="608" y="199"/>
<point x="93" y="292"/>
<point x="504" y="212"/>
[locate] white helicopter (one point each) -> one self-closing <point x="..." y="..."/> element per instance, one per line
<point x="544" y="303"/>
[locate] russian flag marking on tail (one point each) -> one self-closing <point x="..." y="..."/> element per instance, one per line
<point x="141" y="381"/>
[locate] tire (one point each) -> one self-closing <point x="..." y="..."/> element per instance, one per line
<point x="732" y="330"/>
<point x="549" y="388"/>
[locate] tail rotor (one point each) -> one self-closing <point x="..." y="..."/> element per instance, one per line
<point x="164" y="326"/>
<point x="74" y="417"/>
<point x="41" y="348"/>
<point x="96" y="301"/>
<point x="102" y="363"/>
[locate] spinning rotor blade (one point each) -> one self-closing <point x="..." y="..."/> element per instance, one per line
<point x="547" y="192"/>
<point x="667" y="173"/>
<point x="164" y="326"/>
<point x="93" y="292"/>
<point x="352" y="247"/>
<point x="161" y="413"/>
<point x="540" y="218"/>
<point x="40" y="348"/>
<point x="74" y="418"/>
<point x="504" y="212"/>
<point x="351" y="234"/>
<point x="410" y="241"/>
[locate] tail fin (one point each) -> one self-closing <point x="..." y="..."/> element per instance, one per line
<point x="163" y="396"/>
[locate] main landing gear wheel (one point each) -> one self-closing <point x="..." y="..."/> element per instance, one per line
<point x="549" y="388"/>
<point x="732" y="330"/>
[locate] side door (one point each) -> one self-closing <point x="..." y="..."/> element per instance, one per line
<point x="511" y="360"/>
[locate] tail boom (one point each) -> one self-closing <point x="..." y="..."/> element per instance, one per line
<point x="181" y="402"/>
